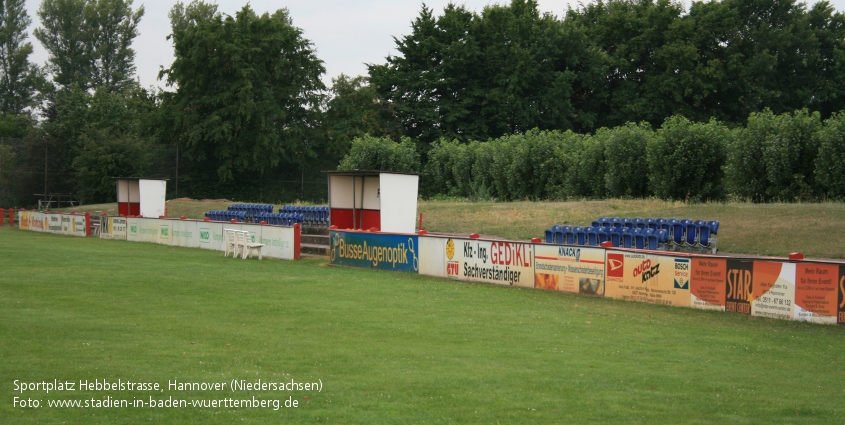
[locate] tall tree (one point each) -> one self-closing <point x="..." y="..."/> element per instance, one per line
<point x="355" y="110"/>
<point x="89" y="41"/>
<point x="67" y="40"/>
<point x="19" y="79"/>
<point x="507" y="70"/>
<point x="114" y="26"/>
<point x="247" y="93"/>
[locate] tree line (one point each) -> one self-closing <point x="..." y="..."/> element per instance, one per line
<point x="791" y="157"/>
<point x="547" y="101"/>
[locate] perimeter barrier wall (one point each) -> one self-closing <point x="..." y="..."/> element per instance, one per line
<point x="805" y="290"/>
<point x="279" y="241"/>
<point x="60" y="224"/>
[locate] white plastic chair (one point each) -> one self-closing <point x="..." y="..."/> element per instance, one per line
<point x="231" y="243"/>
<point x="247" y="246"/>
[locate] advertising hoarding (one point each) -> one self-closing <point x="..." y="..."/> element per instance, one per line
<point x="655" y="279"/>
<point x="707" y="283"/>
<point x="113" y="228"/>
<point x="278" y="242"/>
<point x="499" y="262"/>
<point x="572" y="269"/>
<point x="374" y="250"/>
<point x="773" y="290"/>
<point x="738" y="285"/>
<point x="816" y="292"/>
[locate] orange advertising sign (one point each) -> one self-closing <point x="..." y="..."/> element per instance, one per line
<point x="816" y="292"/>
<point x="773" y="290"/>
<point x="707" y="283"/>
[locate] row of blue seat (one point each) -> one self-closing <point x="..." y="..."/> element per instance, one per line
<point x="251" y="209"/>
<point x="314" y="215"/>
<point x="281" y="219"/>
<point x="226" y="215"/>
<point x="653" y="223"/>
<point x="679" y="237"/>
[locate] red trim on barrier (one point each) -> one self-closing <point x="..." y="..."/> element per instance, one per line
<point x="536" y="240"/>
<point x="297" y="237"/>
<point x="607" y="244"/>
<point x="87" y="224"/>
<point x="422" y="232"/>
<point x="2" y="216"/>
<point x="183" y="218"/>
<point x="474" y="236"/>
<point x="796" y="256"/>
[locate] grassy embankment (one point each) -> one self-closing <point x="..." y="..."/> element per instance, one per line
<point x="816" y="230"/>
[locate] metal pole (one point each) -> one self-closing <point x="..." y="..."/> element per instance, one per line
<point x="354" y="201"/>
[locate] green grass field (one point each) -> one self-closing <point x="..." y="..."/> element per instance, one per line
<point x="388" y="347"/>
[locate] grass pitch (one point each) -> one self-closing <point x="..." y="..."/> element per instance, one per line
<point x="388" y="347"/>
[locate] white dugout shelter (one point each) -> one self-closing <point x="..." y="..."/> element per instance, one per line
<point x="366" y="199"/>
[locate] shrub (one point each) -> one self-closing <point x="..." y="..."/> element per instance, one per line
<point x="830" y="162"/>
<point x="381" y="153"/>
<point x="685" y="160"/>
<point x="626" y="174"/>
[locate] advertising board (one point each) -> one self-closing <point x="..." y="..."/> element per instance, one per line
<point x="773" y="290"/>
<point x="707" y="283"/>
<point x="210" y="235"/>
<point x="572" y="269"/>
<point x="374" y="250"/>
<point x="655" y="279"/>
<point x="738" y="285"/>
<point x="278" y="242"/>
<point x="184" y="233"/>
<point x="113" y="228"/>
<point x="499" y="262"/>
<point x="816" y="292"/>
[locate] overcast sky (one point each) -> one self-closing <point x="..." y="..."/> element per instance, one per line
<point x="346" y="34"/>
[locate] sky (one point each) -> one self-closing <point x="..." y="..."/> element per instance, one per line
<point x="347" y="35"/>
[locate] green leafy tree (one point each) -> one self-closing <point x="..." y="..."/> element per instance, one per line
<point x="19" y="78"/>
<point x="830" y="162"/>
<point x="685" y="160"/>
<point x="381" y="153"/>
<point x="625" y="153"/>
<point x="65" y="36"/>
<point x="247" y="93"/>
<point x="113" y="25"/>
<point x="507" y="70"/>
<point x="354" y="110"/>
<point x="89" y="41"/>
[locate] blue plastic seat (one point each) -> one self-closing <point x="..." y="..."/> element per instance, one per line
<point x="690" y="235"/>
<point x="595" y="223"/>
<point x="580" y="235"/>
<point x="627" y="238"/>
<point x="639" y="238"/>
<point x="652" y="241"/>
<point x="592" y="236"/>
<point x="550" y="236"/>
<point x="604" y="234"/>
<point x="616" y="222"/>
<point x="638" y="223"/>
<point x="559" y="237"/>
<point x="626" y="222"/>
<point x="616" y="236"/>
<point x="714" y="226"/>
<point x="704" y="241"/>
<point x="650" y="223"/>
<point x="662" y="238"/>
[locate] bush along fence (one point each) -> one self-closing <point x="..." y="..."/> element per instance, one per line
<point x="282" y="242"/>
<point x="783" y="288"/>
<point x="789" y="157"/>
